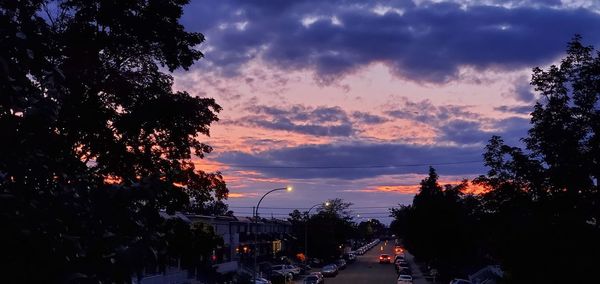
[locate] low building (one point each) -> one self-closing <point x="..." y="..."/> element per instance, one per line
<point x="239" y="235"/>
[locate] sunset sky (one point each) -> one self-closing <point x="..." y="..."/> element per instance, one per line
<point x="354" y="99"/>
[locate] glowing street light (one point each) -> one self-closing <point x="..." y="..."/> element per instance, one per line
<point x="288" y="189"/>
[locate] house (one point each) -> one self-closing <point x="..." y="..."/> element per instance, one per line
<point x="239" y="235"/>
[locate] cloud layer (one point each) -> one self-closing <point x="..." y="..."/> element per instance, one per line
<point x="423" y="41"/>
<point x="355" y="99"/>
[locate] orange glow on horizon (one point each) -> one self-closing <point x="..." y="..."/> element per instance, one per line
<point x="230" y="137"/>
<point x="236" y="195"/>
<point x="475" y="189"/>
<point x="403" y="189"/>
<point x="414" y="189"/>
<point x="209" y="166"/>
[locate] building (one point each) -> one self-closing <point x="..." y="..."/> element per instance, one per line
<point x="237" y="253"/>
<point x="238" y="235"/>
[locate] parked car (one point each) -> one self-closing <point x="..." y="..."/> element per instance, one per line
<point x="318" y="274"/>
<point x="399" y="257"/>
<point x="385" y="258"/>
<point x="350" y="257"/>
<point x="330" y="270"/>
<point x="404" y="279"/>
<point x="341" y="264"/>
<point x="460" y="281"/>
<point x="406" y="271"/>
<point x="361" y="250"/>
<point x="313" y="279"/>
<point x="261" y="280"/>
<point x="315" y="262"/>
<point x="304" y="268"/>
<point x="400" y="261"/>
<point x="402" y="265"/>
<point x="398" y="249"/>
<point x="287" y="268"/>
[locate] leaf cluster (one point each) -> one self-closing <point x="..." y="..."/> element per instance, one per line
<point x="95" y="141"/>
<point x="540" y="212"/>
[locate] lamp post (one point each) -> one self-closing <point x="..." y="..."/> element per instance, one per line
<point x="287" y="188"/>
<point x="306" y="229"/>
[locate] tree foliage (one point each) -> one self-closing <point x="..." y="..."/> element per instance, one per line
<point x="329" y="229"/>
<point x="439" y="227"/>
<point x="546" y="197"/>
<point x="95" y="140"/>
<point x="370" y="229"/>
<point x="539" y="216"/>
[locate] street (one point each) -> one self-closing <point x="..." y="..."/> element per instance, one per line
<point x="367" y="269"/>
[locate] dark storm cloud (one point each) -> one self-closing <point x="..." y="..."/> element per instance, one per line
<point x="357" y="155"/>
<point x="376" y="159"/>
<point x="467" y="132"/>
<point x="535" y="3"/>
<point x="514" y="129"/>
<point x="424" y="111"/>
<point x="368" y="118"/>
<point x="526" y="109"/>
<point x="457" y="124"/>
<point x="319" y="121"/>
<point x="464" y="132"/>
<point x="428" y="42"/>
<point x="523" y="91"/>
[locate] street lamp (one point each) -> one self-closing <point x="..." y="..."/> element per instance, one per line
<point x="306" y="228"/>
<point x="287" y="188"/>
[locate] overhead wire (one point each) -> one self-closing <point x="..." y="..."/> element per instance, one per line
<point x="292" y="208"/>
<point x="279" y="213"/>
<point x="344" y="167"/>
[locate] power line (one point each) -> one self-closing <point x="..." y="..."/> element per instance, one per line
<point x="292" y="208"/>
<point x="279" y="213"/>
<point x="347" y="167"/>
<point x="287" y="215"/>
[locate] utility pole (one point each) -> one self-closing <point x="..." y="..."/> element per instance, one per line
<point x="255" y="266"/>
<point x="287" y="188"/>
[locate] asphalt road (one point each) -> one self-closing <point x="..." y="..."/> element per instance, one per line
<point x="367" y="270"/>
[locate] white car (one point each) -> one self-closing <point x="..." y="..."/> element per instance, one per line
<point x="404" y="279"/>
<point x="285" y="269"/>
<point x="261" y="280"/>
<point x="318" y="274"/>
<point x="460" y="281"/>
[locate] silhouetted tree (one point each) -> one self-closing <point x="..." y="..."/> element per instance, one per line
<point x="544" y="202"/>
<point x="330" y="228"/>
<point x="400" y="226"/>
<point x="336" y="207"/>
<point x="96" y="142"/>
<point x="440" y="227"/>
<point x="370" y="229"/>
<point x="539" y="216"/>
<point x="211" y="208"/>
<point x="298" y="221"/>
